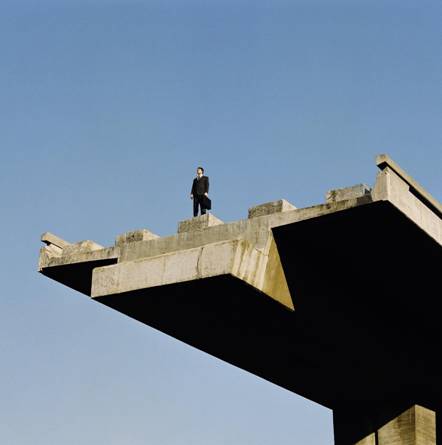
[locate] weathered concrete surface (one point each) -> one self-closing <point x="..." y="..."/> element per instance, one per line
<point x="51" y="239"/>
<point x="260" y="269"/>
<point x="415" y="426"/>
<point x="198" y="223"/>
<point x="135" y="235"/>
<point x="356" y="191"/>
<point x="270" y="207"/>
<point x="54" y="244"/>
<point x="329" y="301"/>
<point x="384" y="161"/>
<point x="397" y="187"/>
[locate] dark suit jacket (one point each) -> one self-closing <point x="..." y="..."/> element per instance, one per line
<point x="200" y="186"/>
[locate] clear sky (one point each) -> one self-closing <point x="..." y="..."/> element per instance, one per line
<point x="106" y="109"/>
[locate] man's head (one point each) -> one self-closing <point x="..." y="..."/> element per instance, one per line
<point x="200" y="171"/>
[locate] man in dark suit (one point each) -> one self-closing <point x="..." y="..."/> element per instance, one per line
<point x="200" y="191"/>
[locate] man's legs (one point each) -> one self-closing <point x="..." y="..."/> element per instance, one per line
<point x="195" y="205"/>
<point x="203" y="207"/>
<point x="198" y="200"/>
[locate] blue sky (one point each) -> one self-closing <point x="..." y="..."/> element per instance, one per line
<point x="106" y="109"/>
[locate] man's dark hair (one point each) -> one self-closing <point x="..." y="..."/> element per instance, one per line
<point x="200" y="168"/>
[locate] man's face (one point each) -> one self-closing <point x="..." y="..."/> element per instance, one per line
<point x="199" y="172"/>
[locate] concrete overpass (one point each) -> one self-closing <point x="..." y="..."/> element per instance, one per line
<point x="339" y="302"/>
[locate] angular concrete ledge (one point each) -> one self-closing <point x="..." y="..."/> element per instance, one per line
<point x="383" y="161"/>
<point x="256" y="230"/>
<point x="391" y="187"/>
<point x="362" y="271"/>
<point x="54" y="244"/>
<point x="236" y="257"/>
<point x="50" y="239"/>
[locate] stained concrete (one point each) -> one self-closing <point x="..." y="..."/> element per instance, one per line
<point x="336" y="302"/>
<point x="135" y="235"/>
<point x="356" y="191"/>
<point x="415" y="426"/>
<point x="269" y="208"/>
<point x="198" y="223"/>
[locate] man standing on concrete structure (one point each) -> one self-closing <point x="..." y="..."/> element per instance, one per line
<point x="200" y="191"/>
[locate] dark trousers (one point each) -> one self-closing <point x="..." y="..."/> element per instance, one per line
<point x="198" y="202"/>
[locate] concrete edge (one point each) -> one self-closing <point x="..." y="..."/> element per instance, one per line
<point x="233" y="257"/>
<point x="383" y="161"/>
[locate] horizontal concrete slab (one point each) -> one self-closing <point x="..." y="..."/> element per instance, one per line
<point x="362" y="273"/>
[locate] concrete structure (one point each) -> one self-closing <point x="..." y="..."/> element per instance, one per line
<point x="338" y="302"/>
<point x="415" y="426"/>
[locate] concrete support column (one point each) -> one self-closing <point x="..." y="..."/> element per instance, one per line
<point x="415" y="426"/>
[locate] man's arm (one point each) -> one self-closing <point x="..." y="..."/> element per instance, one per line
<point x="206" y="191"/>
<point x="192" y="189"/>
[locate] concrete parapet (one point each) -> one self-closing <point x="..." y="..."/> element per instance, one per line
<point x="270" y="207"/>
<point x="206" y="229"/>
<point x="198" y="223"/>
<point x="254" y="230"/>
<point x="356" y="191"/>
<point x="81" y="247"/>
<point x="135" y="235"/>
<point x="58" y="246"/>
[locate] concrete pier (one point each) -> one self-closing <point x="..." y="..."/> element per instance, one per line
<point x="415" y="426"/>
<point x="338" y="302"/>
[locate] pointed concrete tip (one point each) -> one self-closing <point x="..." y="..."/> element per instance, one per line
<point x="275" y="283"/>
<point x="384" y="161"/>
<point x="49" y="238"/>
<point x="381" y="159"/>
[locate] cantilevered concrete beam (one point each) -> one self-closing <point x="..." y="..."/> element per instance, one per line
<point x="339" y="302"/>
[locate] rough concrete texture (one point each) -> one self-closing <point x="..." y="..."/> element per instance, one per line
<point x="135" y="235"/>
<point x="54" y="244"/>
<point x="81" y="247"/>
<point x="208" y="229"/>
<point x="198" y="223"/>
<point x="415" y="426"/>
<point x="393" y="188"/>
<point x="356" y="191"/>
<point x="59" y="251"/>
<point x="51" y="239"/>
<point x="283" y="295"/>
<point x="383" y="161"/>
<point x="270" y="207"/>
<point x="260" y="269"/>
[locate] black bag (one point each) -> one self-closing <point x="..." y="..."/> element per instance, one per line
<point x="207" y="203"/>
